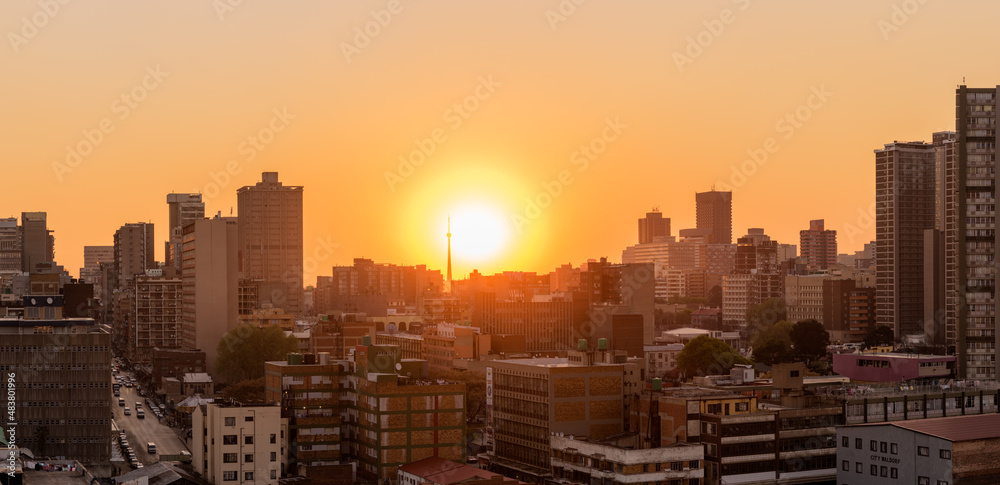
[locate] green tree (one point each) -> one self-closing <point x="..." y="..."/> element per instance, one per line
<point x="810" y="339"/>
<point x="705" y="355"/>
<point x="774" y="351"/>
<point x="246" y="392"/>
<point x="243" y="351"/>
<point x="778" y="331"/>
<point x="715" y="297"/>
<point x="879" y="336"/>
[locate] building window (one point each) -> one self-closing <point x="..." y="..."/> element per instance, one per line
<point x="923" y="451"/>
<point x="845" y="442"/>
<point x="229" y="476"/>
<point x="693" y="464"/>
<point x="794" y="373"/>
<point x="231" y="422"/>
<point x="846" y="466"/>
<point x="229" y="439"/>
<point x="229" y="458"/>
<point x="274" y="439"/>
<point x="248" y="419"/>
<point x="274" y="456"/>
<point x="945" y="454"/>
<point x="248" y="476"/>
<point x="894" y="473"/>
<point x="923" y="481"/>
<point x="942" y="482"/>
<point x="859" y="467"/>
<point x="677" y="466"/>
<point x="857" y="443"/>
<point x="274" y="474"/>
<point x="248" y="458"/>
<point x="873" y="445"/>
<point x="885" y="472"/>
<point x="884" y="447"/>
<point x="874" y="470"/>
<point x="893" y="448"/>
<point x="248" y="439"/>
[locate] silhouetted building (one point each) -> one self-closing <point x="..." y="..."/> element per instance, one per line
<point x="819" y="246"/>
<point x="714" y="210"/>
<point x="183" y="209"/>
<point x="653" y="226"/>
<point x="37" y="241"/>
<point x="134" y="252"/>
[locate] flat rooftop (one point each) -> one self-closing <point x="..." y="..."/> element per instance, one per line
<point x="953" y="428"/>
<point x="54" y="478"/>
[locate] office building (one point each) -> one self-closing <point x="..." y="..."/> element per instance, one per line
<point x="973" y="239"/>
<point x="714" y="210"/>
<point x="625" y="459"/>
<point x="756" y="277"/>
<point x="904" y="197"/>
<point x="653" y="227"/>
<point x="10" y="245"/>
<point x="133" y="252"/>
<point x="819" y="246"/>
<point x="232" y="442"/>
<point x="183" y="209"/>
<point x="270" y="240"/>
<point x="158" y="317"/>
<point x="93" y="256"/>
<point x="62" y="369"/>
<point x="209" y="282"/>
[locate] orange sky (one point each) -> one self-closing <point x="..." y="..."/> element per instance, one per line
<point x="537" y="84"/>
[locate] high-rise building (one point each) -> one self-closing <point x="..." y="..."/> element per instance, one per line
<point x="756" y="277"/>
<point x="271" y="240"/>
<point x="157" y="319"/>
<point x="10" y="245"/>
<point x="714" y="210"/>
<point x="37" y="240"/>
<point x="93" y="256"/>
<point x="972" y="293"/>
<point x="183" y="209"/>
<point x="904" y="198"/>
<point x="134" y="252"/>
<point x="62" y="368"/>
<point x="210" y="283"/>
<point x="819" y="246"/>
<point x="653" y="226"/>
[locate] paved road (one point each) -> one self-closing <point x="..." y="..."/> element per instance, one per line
<point x="142" y="431"/>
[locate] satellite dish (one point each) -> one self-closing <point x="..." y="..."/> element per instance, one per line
<point x="33" y="302"/>
<point x="49" y="300"/>
<point x="399" y="366"/>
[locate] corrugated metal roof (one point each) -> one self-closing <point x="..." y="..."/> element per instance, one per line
<point x="956" y="428"/>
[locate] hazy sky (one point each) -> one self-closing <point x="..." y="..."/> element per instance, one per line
<point x="669" y="96"/>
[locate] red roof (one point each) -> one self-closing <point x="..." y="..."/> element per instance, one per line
<point x="957" y="428"/>
<point x="444" y="472"/>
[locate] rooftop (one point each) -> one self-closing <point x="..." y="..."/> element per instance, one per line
<point x="954" y="428"/>
<point x="197" y="377"/>
<point x="445" y="472"/>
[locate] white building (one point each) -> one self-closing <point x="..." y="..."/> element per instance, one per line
<point x="239" y="444"/>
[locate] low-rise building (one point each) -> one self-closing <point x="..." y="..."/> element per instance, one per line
<point x="438" y="471"/>
<point x="893" y="367"/>
<point x="624" y="459"/>
<point x="661" y="360"/>
<point x="237" y="443"/>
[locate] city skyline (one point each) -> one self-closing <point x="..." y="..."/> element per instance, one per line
<point x="654" y="97"/>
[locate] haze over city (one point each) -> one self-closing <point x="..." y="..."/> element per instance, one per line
<point x="691" y="87"/>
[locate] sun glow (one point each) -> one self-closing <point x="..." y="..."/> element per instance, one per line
<point x="479" y="233"/>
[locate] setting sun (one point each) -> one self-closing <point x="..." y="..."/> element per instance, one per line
<point x="479" y="233"/>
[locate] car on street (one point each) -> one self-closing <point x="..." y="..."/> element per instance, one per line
<point x="128" y="412"/>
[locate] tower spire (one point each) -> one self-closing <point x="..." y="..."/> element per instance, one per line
<point x="449" y="254"/>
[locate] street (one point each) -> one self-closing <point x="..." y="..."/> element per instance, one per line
<point x="142" y="431"/>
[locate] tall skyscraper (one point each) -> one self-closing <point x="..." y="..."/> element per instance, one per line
<point x="904" y="198"/>
<point x="38" y="243"/>
<point x="756" y="277"/>
<point x="271" y="240"/>
<point x="653" y="226"/>
<point x="819" y="246"/>
<point x="974" y="239"/>
<point x="10" y="245"/>
<point x="714" y="210"/>
<point x="93" y="256"/>
<point x="210" y="283"/>
<point x="183" y="208"/>
<point x="134" y="252"/>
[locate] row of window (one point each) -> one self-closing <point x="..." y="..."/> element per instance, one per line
<point x="231" y="476"/>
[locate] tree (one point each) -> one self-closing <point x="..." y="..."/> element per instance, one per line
<point x="810" y="339"/>
<point x="880" y="336"/>
<point x="705" y="355"/>
<point x="778" y="331"/>
<point x="246" y="392"/>
<point x="774" y="351"/>
<point x="715" y="297"/>
<point x="243" y="351"/>
<point x="766" y="313"/>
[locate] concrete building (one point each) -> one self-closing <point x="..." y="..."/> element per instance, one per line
<point x="158" y="318"/>
<point x="209" y="279"/>
<point x="819" y="246"/>
<point x="955" y="450"/>
<point x="366" y="278"/>
<point x="241" y="443"/>
<point x="653" y="226"/>
<point x="93" y="256"/>
<point x="904" y="197"/>
<point x="714" y="210"/>
<point x="133" y="252"/>
<point x="625" y="459"/>
<point x="270" y="240"/>
<point x="175" y="363"/>
<point x="62" y="378"/>
<point x="438" y="471"/>
<point x="891" y="367"/>
<point x="10" y="245"/>
<point x="548" y="323"/>
<point x="756" y="277"/>
<point x="37" y="241"/>
<point x="529" y="399"/>
<point x="970" y="305"/>
<point x="661" y="360"/>
<point x="183" y="210"/>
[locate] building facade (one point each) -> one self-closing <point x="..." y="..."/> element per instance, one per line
<point x="819" y="246"/>
<point x="236" y="443"/>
